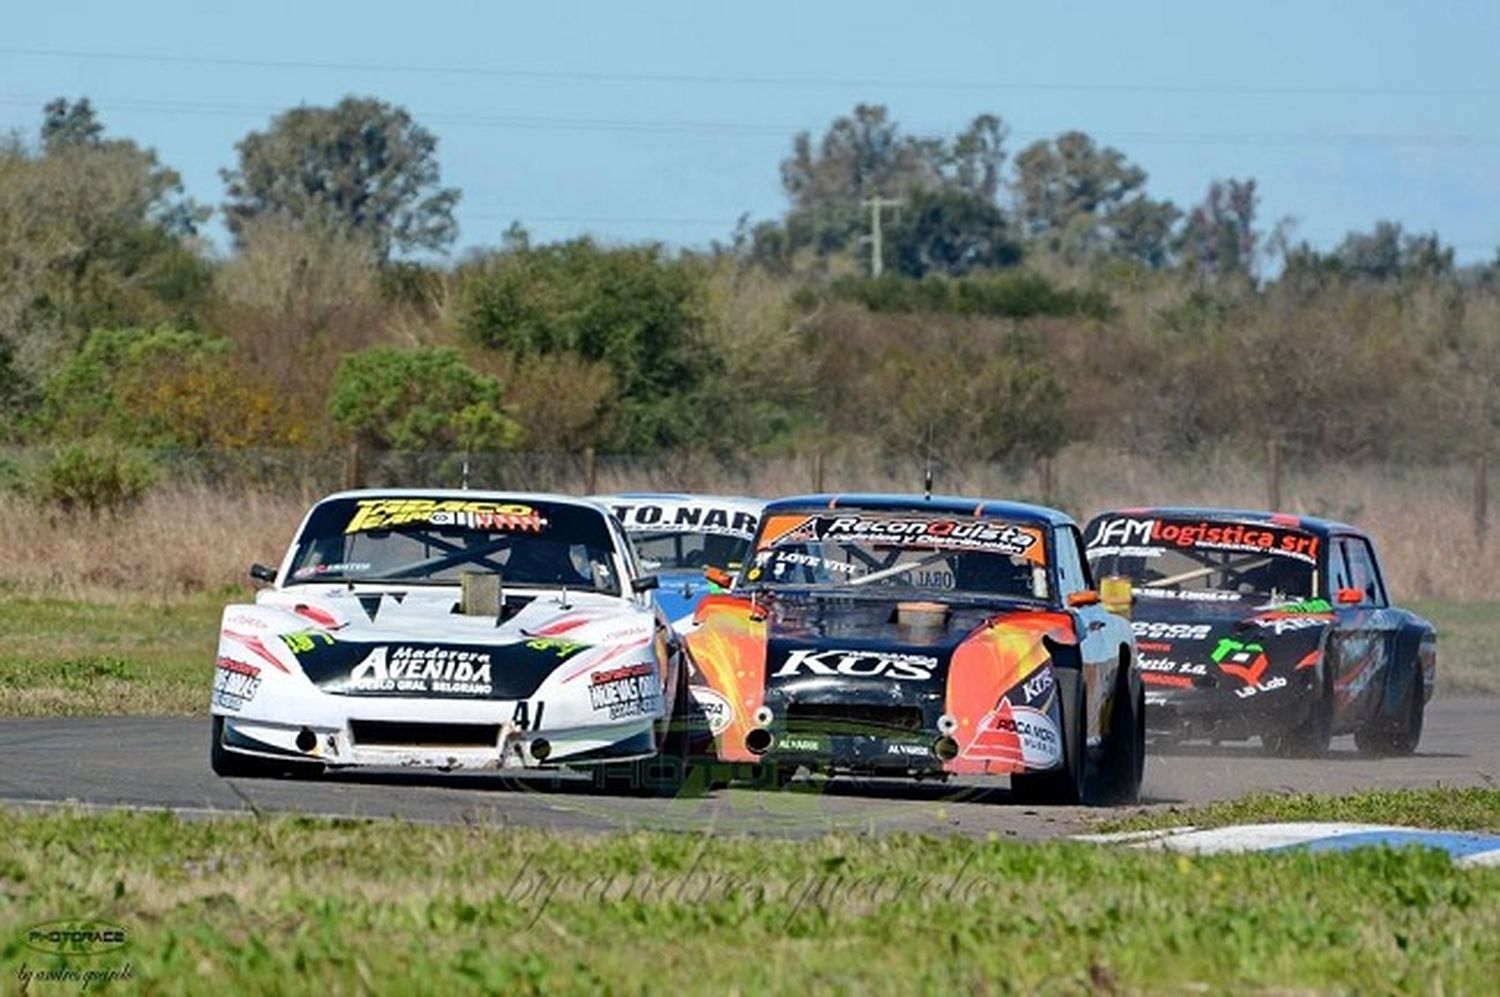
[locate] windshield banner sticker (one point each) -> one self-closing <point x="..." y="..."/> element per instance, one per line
<point x="383" y="514"/>
<point x="1130" y="537"/>
<point x="902" y="531"/>
<point x="686" y="519"/>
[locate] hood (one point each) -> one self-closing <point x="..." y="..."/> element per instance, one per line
<point x="864" y="648"/>
<point x="415" y="643"/>
<point x="681" y="591"/>
<point x="1229" y="646"/>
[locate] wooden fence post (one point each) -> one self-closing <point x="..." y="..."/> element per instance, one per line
<point x="1481" y="498"/>
<point x="1273" y="476"/>
<point x="590" y="470"/>
<point x="354" y="474"/>
<point x="818" y="470"/>
<point x="1044" y="471"/>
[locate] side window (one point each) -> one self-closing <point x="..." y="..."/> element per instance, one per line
<point x="1072" y="573"/>
<point x="1362" y="572"/>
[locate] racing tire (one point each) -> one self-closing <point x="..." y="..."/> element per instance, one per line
<point x="1067" y="784"/>
<point x="233" y="765"/>
<point x="1123" y="767"/>
<point x="1310" y="738"/>
<point x="1383" y="738"/>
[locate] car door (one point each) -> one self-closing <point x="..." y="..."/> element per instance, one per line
<point x="1364" y="634"/>
<point x="1100" y="632"/>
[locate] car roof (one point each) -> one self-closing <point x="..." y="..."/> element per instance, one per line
<point x="706" y="498"/>
<point x="950" y="504"/>
<point x="1312" y="524"/>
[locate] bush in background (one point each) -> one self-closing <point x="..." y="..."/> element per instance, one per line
<point x="93" y="476"/>
<point x="422" y="399"/>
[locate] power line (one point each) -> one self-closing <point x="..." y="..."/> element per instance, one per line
<point x="809" y="82"/>
<point x="711" y="128"/>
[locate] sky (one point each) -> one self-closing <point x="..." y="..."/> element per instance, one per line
<point x="667" y="121"/>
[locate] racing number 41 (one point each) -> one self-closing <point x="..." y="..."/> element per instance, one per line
<point x="528" y="715"/>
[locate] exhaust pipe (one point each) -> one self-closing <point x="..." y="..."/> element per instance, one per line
<point x="945" y="748"/>
<point x="541" y="748"/>
<point x="306" y="740"/>
<point x="758" y="741"/>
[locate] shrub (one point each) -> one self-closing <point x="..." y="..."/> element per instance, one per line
<point x="421" y="399"/>
<point x="93" y="476"/>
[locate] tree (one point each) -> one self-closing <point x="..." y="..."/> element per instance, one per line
<point x="631" y="309"/>
<point x="421" y="399"/>
<point x="953" y="233"/>
<point x="1390" y="253"/>
<point x="362" y="166"/>
<point x="1080" y="201"/>
<point x="70" y="125"/>
<point x="1221" y="239"/>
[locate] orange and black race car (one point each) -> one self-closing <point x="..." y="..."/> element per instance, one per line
<point x="922" y="637"/>
<point x="1259" y="624"/>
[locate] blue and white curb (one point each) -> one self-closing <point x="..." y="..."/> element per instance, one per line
<point x="1466" y="849"/>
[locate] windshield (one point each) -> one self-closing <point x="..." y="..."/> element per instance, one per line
<point x="437" y="541"/>
<point x="689" y="551"/>
<point x="886" y="551"/>
<point x="1205" y="560"/>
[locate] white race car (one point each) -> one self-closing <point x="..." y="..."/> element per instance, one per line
<point x="449" y="629"/>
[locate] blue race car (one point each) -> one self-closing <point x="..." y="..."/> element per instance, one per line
<point x="679" y="535"/>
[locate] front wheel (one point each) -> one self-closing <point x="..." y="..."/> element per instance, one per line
<point x="233" y="765"/>
<point x="1063" y="785"/>
<point x="1383" y="737"/>
<point x="1123" y="767"/>
<point x="1311" y="737"/>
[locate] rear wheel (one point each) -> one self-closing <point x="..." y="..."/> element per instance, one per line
<point x="1063" y="785"/>
<point x="1384" y="737"/>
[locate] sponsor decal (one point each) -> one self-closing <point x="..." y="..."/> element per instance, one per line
<point x="235" y="683"/>
<point x="559" y="647"/>
<point x="1168" y="666"/>
<point x="302" y="641"/>
<point x="1269" y="685"/>
<point x="792" y="558"/>
<point x="810" y="743"/>
<point x="899" y="531"/>
<point x="718" y="710"/>
<point x="1246" y="661"/>
<point x="1187" y="595"/>
<point x="343" y="567"/>
<point x="1018" y="736"/>
<point x="383" y="514"/>
<point x="1038" y="685"/>
<point x="426" y="670"/>
<point x="687" y="519"/>
<point x="1279" y="625"/>
<point x="1130" y="536"/>
<point x="1153" y="630"/>
<point x="1307" y="606"/>
<point x="857" y="664"/>
<point x="627" y="691"/>
<point x="907" y="748"/>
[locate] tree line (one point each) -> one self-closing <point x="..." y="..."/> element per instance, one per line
<point x="1027" y="301"/>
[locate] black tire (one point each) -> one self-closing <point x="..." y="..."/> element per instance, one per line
<point x="1387" y="737"/>
<point x="1311" y="737"/>
<point x="1123" y="766"/>
<point x="1065" y="785"/>
<point x="233" y="765"/>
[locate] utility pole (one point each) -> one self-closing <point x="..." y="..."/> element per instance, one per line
<point x="877" y="206"/>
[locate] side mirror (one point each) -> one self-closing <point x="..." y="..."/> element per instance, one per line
<point x="1349" y="597"/>
<point x="261" y="573"/>
<point x="1088" y="597"/>
<point x="1115" y="594"/>
<point x="645" y="583"/>
<point x="718" y="576"/>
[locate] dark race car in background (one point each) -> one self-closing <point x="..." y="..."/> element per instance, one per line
<point x="677" y="536"/>
<point x="922" y="637"/>
<point x="1258" y="624"/>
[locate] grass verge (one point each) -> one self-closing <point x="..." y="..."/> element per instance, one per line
<point x="1468" y="645"/>
<point x="290" y="905"/>
<point x="1443" y="809"/>
<point x="65" y="657"/>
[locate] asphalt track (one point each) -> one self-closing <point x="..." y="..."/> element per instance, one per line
<point x="162" y="763"/>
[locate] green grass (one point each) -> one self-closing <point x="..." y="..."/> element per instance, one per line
<point x="1445" y="809"/>
<point x="64" y="657"/>
<point x="1468" y="645"/>
<point x="287" y="905"/>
